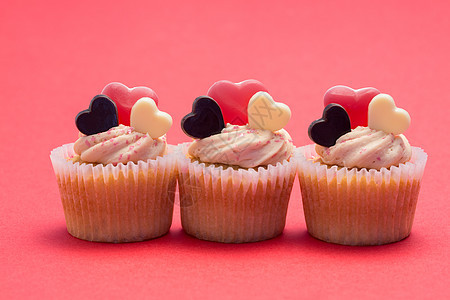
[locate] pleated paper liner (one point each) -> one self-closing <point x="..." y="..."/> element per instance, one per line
<point x="233" y="205"/>
<point x="123" y="203"/>
<point x="359" y="206"/>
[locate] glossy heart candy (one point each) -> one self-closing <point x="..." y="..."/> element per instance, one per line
<point x="205" y="119"/>
<point x="265" y="113"/>
<point x="355" y="102"/>
<point x="125" y="98"/>
<point x="99" y="117"/>
<point x="233" y="98"/>
<point x="385" y="116"/>
<point x="333" y="124"/>
<point x="145" y="117"/>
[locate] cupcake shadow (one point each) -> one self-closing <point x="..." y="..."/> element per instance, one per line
<point x="309" y="244"/>
<point x="59" y="238"/>
<point x="290" y="241"/>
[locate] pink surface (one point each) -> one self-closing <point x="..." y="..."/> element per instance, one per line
<point x="55" y="57"/>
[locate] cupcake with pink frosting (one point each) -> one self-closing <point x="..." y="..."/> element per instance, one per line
<point x="360" y="182"/>
<point x="117" y="181"/>
<point x="236" y="176"/>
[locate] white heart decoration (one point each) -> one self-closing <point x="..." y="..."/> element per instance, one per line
<point x="265" y="113"/>
<point x="145" y="117"/>
<point x="385" y="116"/>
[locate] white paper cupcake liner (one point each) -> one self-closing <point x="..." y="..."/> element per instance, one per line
<point x="122" y="203"/>
<point x="233" y="205"/>
<point x="359" y="206"/>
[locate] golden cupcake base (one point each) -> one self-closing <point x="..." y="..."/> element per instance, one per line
<point x="233" y="205"/>
<point x="359" y="206"/>
<point x="116" y="204"/>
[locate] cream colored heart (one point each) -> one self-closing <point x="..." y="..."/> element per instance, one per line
<point x="145" y="117"/>
<point x="385" y="116"/>
<point x="265" y="113"/>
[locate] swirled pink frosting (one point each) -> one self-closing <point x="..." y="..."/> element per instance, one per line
<point x="367" y="148"/>
<point x="120" y="144"/>
<point x="244" y="147"/>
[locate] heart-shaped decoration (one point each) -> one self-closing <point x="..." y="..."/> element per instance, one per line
<point x="355" y="102"/>
<point x="125" y="98"/>
<point x="333" y="124"/>
<point x="265" y="113"/>
<point x="99" y="117"/>
<point x="205" y="119"/>
<point x="385" y="116"/>
<point x="147" y="118"/>
<point x="233" y="98"/>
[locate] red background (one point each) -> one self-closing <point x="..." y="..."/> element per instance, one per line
<point x="56" y="56"/>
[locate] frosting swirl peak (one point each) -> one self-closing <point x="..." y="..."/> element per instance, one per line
<point x="243" y="146"/>
<point x="367" y="148"/>
<point x="120" y="144"/>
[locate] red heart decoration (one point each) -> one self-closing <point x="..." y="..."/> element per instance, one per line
<point x="355" y="102"/>
<point x="125" y="98"/>
<point x="233" y="98"/>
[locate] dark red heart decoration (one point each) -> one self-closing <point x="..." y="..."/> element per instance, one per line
<point x="125" y="97"/>
<point x="233" y="98"/>
<point x="206" y="118"/>
<point x="99" y="117"/>
<point x="355" y="102"/>
<point x="333" y="124"/>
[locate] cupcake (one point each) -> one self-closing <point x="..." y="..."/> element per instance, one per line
<point x="117" y="182"/>
<point x="360" y="182"/>
<point x="235" y="177"/>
